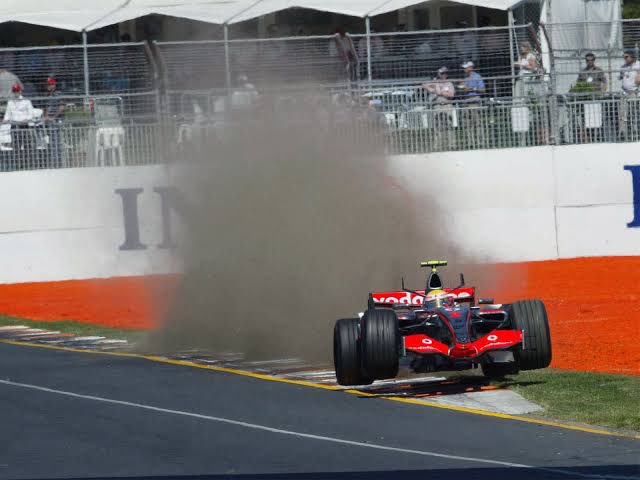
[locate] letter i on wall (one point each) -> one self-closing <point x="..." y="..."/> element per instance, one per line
<point x="635" y="179"/>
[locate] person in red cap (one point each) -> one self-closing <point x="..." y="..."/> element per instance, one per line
<point x="20" y="115"/>
<point x="53" y="115"/>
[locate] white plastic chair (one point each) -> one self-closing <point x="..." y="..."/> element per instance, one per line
<point x="109" y="140"/>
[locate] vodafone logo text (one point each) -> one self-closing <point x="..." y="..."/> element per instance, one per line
<point x="407" y="298"/>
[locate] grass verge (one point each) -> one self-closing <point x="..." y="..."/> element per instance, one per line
<point x="77" y="328"/>
<point x="593" y="398"/>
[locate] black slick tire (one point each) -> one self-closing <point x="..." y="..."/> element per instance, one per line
<point x="380" y="343"/>
<point x="531" y="316"/>
<point x="346" y="353"/>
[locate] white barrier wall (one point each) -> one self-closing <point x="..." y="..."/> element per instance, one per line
<point x="531" y="204"/>
<point x="496" y="205"/>
<point x="69" y="224"/>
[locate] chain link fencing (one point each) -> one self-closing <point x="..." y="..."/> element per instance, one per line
<point x="143" y="103"/>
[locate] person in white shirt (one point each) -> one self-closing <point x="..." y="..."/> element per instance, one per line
<point x="630" y="79"/>
<point x="442" y="92"/>
<point x="20" y="115"/>
<point x="528" y="72"/>
<point x="19" y="110"/>
<point x="441" y="89"/>
<point x="630" y="73"/>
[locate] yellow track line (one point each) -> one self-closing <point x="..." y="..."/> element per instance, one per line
<point x="260" y="376"/>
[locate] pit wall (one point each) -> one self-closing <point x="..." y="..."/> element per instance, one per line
<point x="560" y="223"/>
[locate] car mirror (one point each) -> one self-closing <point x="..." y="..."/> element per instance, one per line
<point x="485" y="301"/>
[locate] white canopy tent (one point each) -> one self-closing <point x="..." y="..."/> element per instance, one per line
<point x="81" y="15"/>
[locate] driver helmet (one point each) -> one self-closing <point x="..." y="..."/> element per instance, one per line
<point x="436" y="298"/>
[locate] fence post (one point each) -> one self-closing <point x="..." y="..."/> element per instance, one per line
<point x="367" y="23"/>
<point x="227" y="60"/>
<point x="85" y="55"/>
<point x="554" y="110"/>
<point x="512" y="52"/>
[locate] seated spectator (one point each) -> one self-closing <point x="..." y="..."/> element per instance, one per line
<point x="441" y="89"/>
<point x="19" y="110"/>
<point x="593" y="75"/>
<point x="473" y="84"/>
<point x="630" y="74"/>
<point x="20" y="115"/>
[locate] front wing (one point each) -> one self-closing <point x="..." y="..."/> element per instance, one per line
<point x="496" y="340"/>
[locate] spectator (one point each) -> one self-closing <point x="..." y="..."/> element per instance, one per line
<point x="19" y="110"/>
<point x="245" y="95"/>
<point x="375" y="118"/>
<point x="343" y="47"/>
<point x="473" y="87"/>
<point x="423" y="49"/>
<point x="593" y="75"/>
<point x="53" y="115"/>
<point x="466" y="42"/>
<point x="20" y="114"/>
<point x="441" y="88"/>
<point x="442" y="92"/>
<point x="529" y="72"/>
<point x="473" y="84"/>
<point x="630" y="78"/>
<point x="630" y="73"/>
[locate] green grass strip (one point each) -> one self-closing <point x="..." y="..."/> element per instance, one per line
<point x="594" y="398"/>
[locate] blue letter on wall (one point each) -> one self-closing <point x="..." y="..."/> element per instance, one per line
<point x="635" y="178"/>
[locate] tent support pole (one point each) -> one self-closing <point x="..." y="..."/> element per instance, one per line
<point x="85" y="55"/>
<point x="227" y="60"/>
<point x="367" y="24"/>
<point x="512" y="39"/>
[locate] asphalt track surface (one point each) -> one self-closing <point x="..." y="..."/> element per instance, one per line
<point x="76" y="415"/>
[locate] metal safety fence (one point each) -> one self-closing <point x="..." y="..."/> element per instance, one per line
<point x="406" y="126"/>
<point x="140" y="103"/>
<point x="335" y="59"/>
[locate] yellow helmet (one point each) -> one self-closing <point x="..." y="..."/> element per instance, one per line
<point x="435" y="297"/>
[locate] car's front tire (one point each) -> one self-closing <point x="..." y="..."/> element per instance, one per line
<point x="380" y="343"/>
<point x="531" y="317"/>
<point x="346" y="353"/>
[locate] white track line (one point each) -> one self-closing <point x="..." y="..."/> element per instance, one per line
<point x="300" y="434"/>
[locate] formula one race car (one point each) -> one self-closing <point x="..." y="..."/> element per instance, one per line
<point x="438" y="329"/>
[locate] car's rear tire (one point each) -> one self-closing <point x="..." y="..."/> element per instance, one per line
<point x="380" y="343"/>
<point x="531" y="316"/>
<point x="499" y="370"/>
<point x="346" y="353"/>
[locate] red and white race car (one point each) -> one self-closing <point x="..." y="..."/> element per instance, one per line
<point x="440" y="329"/>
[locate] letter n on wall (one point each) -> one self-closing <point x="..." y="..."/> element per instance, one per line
<point x="635" y="179"/>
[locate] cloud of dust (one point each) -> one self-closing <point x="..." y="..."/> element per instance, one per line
<point x="290" y="217"/>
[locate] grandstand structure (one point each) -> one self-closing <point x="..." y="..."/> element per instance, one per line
<point x="141" y="102"/>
